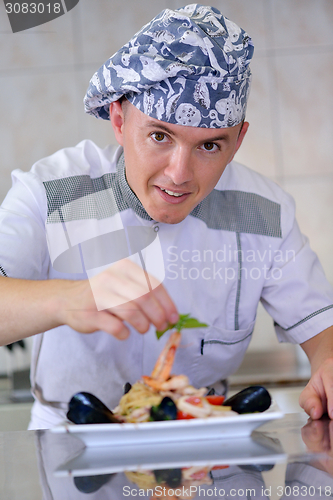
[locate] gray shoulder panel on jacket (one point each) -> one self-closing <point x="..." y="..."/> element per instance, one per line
<point x="241" y="212"/>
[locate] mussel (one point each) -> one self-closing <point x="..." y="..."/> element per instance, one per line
<point x="90" y="484"/>
<point x="171" y="477"/>
<point x="166" y="410"/>
<point x="250" y="400"/>
<point x="85" y="408"/>
<point x="127" y="387"/>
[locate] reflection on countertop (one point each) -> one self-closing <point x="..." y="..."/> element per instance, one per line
<point x="286" y="458"/>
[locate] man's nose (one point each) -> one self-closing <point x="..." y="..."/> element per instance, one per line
<point x="180" y="167"/>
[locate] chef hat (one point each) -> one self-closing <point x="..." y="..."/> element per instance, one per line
<point x="188" y="66"/>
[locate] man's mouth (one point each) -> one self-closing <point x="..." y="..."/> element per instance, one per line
<point x="172" y="193"/>
<point x="173" y="197"/>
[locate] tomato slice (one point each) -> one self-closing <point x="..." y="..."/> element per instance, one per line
<point x="194" y="400"/>
<point x="183" y="416"/>
<point x="215" y="400"/>
<point x="218" y="467"/>
<point x="198" y="475"/>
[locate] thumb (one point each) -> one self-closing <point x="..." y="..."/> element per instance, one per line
<point x="312" y="403"/>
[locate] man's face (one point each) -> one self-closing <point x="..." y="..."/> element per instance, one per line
<point x="171" y="168"/>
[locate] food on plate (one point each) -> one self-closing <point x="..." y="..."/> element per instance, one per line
<point x="171" y="484"/>
<point x="163" y="396"/>
<point x="146" y="400"/>
<point x="166" y="410"/>
<point x="252" y="399"/>
<point x="85" y="408"/>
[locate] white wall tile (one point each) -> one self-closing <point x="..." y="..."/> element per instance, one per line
<point x="4" y="21"/>
<point x="314" y="212"/>
<point x="47" y="45"/>
<point x="302" y="23"/>
<point x="257" y="150"/>
<point x="106" y="26"/>
<point x="37" y="120"/>
<point x="305" y="84"/>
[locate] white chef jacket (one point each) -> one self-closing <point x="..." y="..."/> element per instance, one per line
<point x="74" y="215"/>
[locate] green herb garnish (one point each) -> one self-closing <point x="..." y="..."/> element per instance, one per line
<point x="185" y="321"/>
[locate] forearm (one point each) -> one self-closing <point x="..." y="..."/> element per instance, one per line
<point x="319" y="348"/>
<point x="29" y="307"/>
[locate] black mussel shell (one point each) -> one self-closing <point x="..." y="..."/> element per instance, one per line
<point x="171" y="477"/>
<point x="127" y="387"/>
<point x="85" y="408"/>
<point x="90" y="484"/>
<point x="166" y="410"/>
<point x="250" y="400"/>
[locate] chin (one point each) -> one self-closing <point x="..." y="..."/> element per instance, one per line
<point x="168" y="218"/>
<point x="172" y="220"/>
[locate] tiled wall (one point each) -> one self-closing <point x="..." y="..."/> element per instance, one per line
<point x="44" y="74"/>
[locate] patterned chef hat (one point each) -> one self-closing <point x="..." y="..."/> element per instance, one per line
<point x="188" y="66"/>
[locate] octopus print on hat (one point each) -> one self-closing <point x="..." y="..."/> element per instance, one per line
<point x="188" y="66"/>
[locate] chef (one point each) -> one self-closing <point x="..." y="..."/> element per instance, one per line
<point x="101" y="247"/>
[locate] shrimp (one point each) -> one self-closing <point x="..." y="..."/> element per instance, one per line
<point x="164" y="363"/>
<point x="162" y="369"/>
<point x="199" y="407"/>
<point x="160" y="379"/>
<point x="174" y="383"/>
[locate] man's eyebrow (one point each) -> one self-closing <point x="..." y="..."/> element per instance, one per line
<point x="222" y="137"/>
<point x="160" y="126"/>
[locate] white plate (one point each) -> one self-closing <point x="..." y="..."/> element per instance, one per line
<point x="170" y="431"/>
<point x="255" y="449"/>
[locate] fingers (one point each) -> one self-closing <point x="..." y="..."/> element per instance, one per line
<point x="113" y="325"/>
<point x="317" y="397"/>
<point x="151" y="308"/>
<point x="122" y="293"/>
<point x="326" y="370"/>
<point x="132" y="295"/>
<point x="167" y="303"/>
<point x="90" y="321"/>
<point x="316" y="436"/>
<point x="158" y="307"/>
<point x="311" y="402"/>
<point x="147" y="292"/>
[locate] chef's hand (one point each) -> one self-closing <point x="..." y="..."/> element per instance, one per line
<point x="123" y="292"/>
<point x="317" y="397"/>
<point x="318" y="438"/>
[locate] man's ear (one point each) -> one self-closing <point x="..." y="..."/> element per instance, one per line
<point x="117" y="121"/>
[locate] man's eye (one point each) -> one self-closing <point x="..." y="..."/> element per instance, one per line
<point x="158" y="136"/>
<point x="210" y="146"/>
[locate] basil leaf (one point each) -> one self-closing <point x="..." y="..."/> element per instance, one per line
<point x="193" y="323"/>
<point x="159" y="333"/>
<point x="185" y="321"/>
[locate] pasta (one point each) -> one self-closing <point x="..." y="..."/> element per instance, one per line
<point x="140" y="396"/>
<point x="136" y="405"/>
